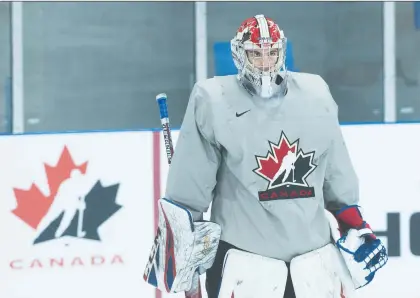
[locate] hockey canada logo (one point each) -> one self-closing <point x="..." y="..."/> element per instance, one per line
<point x="286" y="167"/>
<point x="74" y="207"/>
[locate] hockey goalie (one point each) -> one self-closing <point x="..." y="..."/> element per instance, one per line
<point x="264" y="148"/>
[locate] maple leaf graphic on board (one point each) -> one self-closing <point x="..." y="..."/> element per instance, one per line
<point x="32" y="204"/>
<point x="74" y="207"/>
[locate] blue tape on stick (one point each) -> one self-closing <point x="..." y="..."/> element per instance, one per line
<point x="163" y="108"/>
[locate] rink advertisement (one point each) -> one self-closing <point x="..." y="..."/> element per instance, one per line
<point x="78" y="216"/>
<point x="387" y="160"/>
<point x="76" y="211"/>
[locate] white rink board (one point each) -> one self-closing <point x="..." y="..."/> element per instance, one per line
<point x="385" y="158"/>
<point x="387" y="161"/>
<point x="113" y="158"/>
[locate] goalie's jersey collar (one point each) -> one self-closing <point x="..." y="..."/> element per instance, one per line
<point x="242" y="100"/>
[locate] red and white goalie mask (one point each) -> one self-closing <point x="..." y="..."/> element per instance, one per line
<point x="259" y="53"/>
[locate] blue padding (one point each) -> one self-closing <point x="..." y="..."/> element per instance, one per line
<point x="223" y="62"/>
<point x="417" y="15"/>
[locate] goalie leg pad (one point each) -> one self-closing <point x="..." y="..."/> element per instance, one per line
<point x="248" y="275"/>
<point x="321" y="273"/>
<point x="181" y="248"/>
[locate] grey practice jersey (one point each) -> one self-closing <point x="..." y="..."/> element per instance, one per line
<point x="268" y="166"/>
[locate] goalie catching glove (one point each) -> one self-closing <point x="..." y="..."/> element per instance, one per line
<point x="181" y="248"/>
<point x="363" y="253"/>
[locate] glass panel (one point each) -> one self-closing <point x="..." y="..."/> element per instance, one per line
<point x="100" y="65"/>
<point x="5" y="69"/>
<point x="342" y="42"/>
<point x="408" y="60"/>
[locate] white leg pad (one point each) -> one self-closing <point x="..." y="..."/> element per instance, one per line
<point x="321" y="273"/>
<point x="247" y="275"/>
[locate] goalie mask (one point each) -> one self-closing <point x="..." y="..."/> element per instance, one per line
<point x="259" y="53"/>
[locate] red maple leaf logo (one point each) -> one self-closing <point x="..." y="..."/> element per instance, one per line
<point x="269" y="165"/>
<point x="32" y="204"/>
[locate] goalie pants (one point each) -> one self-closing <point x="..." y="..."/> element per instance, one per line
<point x="213" y="275"/>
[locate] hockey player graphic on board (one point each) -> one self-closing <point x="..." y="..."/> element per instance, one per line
<point x="69" y="200"/>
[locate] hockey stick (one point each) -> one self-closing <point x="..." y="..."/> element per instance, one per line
<point x="195" y="291"/>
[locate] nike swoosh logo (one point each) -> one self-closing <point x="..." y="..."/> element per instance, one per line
<point x="240" y="114"/>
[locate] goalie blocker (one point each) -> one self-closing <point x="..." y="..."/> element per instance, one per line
<point x="181" y="248"/>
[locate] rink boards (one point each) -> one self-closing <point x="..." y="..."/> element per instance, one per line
<point x="125" y="175"/>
